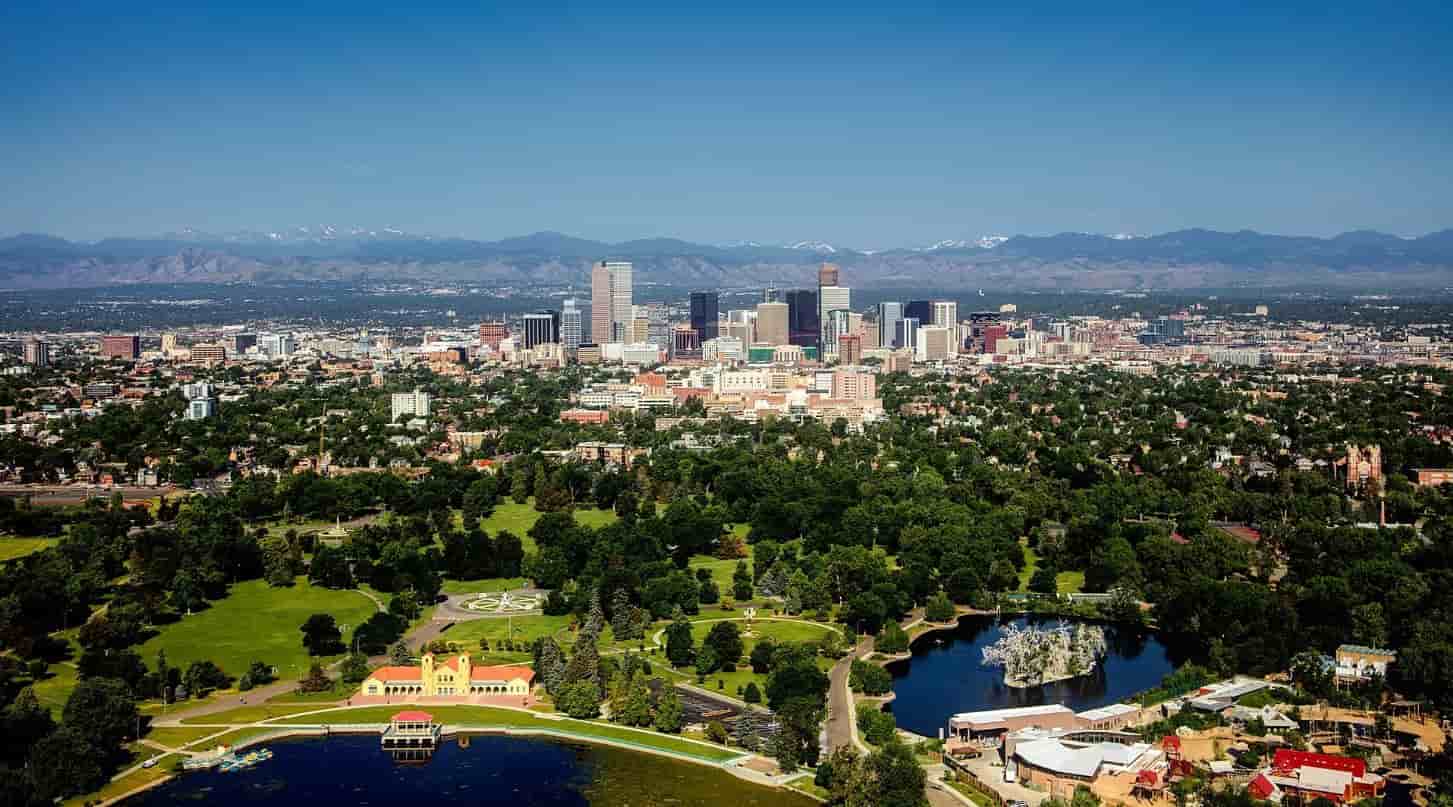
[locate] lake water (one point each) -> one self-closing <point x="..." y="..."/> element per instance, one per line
<point x="946" y="675"/>
<point x="492" y="770"/>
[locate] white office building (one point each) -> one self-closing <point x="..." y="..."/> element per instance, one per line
<point x="409" y="404"/>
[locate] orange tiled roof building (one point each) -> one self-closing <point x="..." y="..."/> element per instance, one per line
<point x="455" y="676"/>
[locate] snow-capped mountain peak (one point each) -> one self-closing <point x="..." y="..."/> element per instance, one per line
<point x="815" y="246"/>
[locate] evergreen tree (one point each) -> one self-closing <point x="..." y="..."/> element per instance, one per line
<point x="399" y="654"/>
<point x="669" y="715"/>
<point x="680" y="646"/>
<point x="550" y="665"/>
<point x="742" y="582"/>
<point x="636" y="710"/>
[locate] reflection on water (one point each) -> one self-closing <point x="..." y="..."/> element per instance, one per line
<point x="947" y="675"/>
<point x="487" y="770"/>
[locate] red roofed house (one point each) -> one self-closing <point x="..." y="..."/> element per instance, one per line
<point x="453" y="679"/>
<point x="1306" y="775"/>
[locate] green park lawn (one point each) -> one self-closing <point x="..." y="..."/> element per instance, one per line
<point x="252" y="714"/>
<point x="12" y="548"/>
<point x="178" y="736"/>
<point x="526" y="630"/>
<point x="1065" y="582"/>
<point x="487" y="585"/>
<point x="53" y="690"/>
<point x="783" y="631"/>
<point x="519" y="518"/>
<point x="256" y="622"/>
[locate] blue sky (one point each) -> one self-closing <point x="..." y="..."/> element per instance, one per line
<point x="871" y="126"/>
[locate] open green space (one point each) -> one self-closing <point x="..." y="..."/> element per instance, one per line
<point x="231" y="738"/>
<point x="729" y="683"/>
<point x="525" y="630"/>
<point x="256" y="622"/>
<point x="53" y="690"/>
<point x="1065" y="582"/>
<point x="487" y="585"/>
<point x="177" y="736"/>
<point x="252" y="714"/>
<point x="490" y="717"/>
<point x="806" y="785"/>
<point x="12" y="548"/>
<point x="519" y="518"/>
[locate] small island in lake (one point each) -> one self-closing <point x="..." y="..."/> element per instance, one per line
<point x="1034" y="655"/>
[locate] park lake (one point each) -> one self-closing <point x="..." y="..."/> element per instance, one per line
<point x="947" y="674"/>
<point x="479" y="769"/>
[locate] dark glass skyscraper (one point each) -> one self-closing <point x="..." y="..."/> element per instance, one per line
<point x="541" y="327"/>
<point x="921" y="310"/>
<point x="804" y="322"/>
<point x="704" y="315"/>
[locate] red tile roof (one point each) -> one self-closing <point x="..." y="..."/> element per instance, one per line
<point x="503" y="673"/>
<point x="1287" y="759"/>
<point x="1261" y="787"/>
<point x="398" y="674"/>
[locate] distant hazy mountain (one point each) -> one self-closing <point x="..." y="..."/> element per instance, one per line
<point x="1193" y="258"/>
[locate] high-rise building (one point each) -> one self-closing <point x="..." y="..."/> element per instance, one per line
<point x="658" y="325"/>
<point x="685" y="342"/>
<point x="492" y="333"/>
<point x="804" y="320"/>
<point x="837" y="325"/>
<point x="827" y="275"/>
<point x="121" y="347"/>
<point x="413" y="404"/>
<point x="853" y="385"/>
<point x="906" y="335"/>
<point x="921" y="310"/>
<point x="849" y="348"/>
<point x="201" y="408"/>
<point x="771" y="295"/>
<point x="37" y="352"/>
<point x="945" y="313"/>
<point x="240" y="342"/>
<point x="209" y="353"/>
<point x="168" y="344"/>
<point x="572" y="327"/>
<point x="610" y="301"/>
<point x="705" y="314"/>
<point x="277" y="345"/>
<point x="829" y="300"/>
<point x="935" y="343"/>
<point x="979" y="321"/>
<point x="540" y="328"/>
<point x="772" y="323"/>
<point x="888" y="316"/>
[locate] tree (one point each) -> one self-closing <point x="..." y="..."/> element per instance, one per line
<point x="876" y="725"/>
<point x="636" y="707"/>
<point x="103" y="710"/>
<point x="669" y="713"/>
<point x="869" y="678"/>
<point x="23" y="723"/>
<point x="321" y="635"/>
<point x="939" y="608"/>
<point x="726" y="639"/>
<point x="203" y="677"/>
<point x="680" y="645"/>
<point x="315" y="681"/>
<point x="550" y="664"/>
<point x="355" y="668"/>
<point x="579" y="699"/>
<point x="762" y="654"/>
<point x="1045" y="579"/>
<point x="892" y="640"/>
<point x="741" y="582"/>
<point x="751" y="694"/>
<point x="716" y="732"/>
<point x="66" y="763"/>
<point x="399" y="655"/>
<point x="897" y="777"/>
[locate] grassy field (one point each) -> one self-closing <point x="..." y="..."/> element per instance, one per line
<point x="53" y="690"/>
<point x="519" y="518"/>
<point x="721" y="570"/>
<point x="256" y="623"/>
<point x="486" y="585"/>
<point x="484" y="716"/>
<point x="177" y="736"/>
<point x="1065" y="582"/>
<point x="12" y="548"/>
<point x="251" y="714"/>
<point x="232" y="737"/>
<point x="805" y="784"/>
<point x="526" y="629"/>
<point x="728" y="683"/>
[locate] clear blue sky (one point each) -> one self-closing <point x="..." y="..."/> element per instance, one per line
<point x="887" y="125"/>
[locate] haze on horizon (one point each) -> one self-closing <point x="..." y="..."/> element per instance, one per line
<point x="869" y="127"/>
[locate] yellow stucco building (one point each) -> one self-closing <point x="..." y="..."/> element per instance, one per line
<point x="455" y="676"/>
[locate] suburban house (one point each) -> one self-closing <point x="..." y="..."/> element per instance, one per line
<point x="455" y="678"/>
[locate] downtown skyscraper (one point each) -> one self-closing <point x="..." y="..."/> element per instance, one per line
<point x="705" y="314"/>
<point x="610" y="301"/>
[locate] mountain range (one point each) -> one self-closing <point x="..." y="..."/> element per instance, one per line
<point x="1184" y="259"/>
